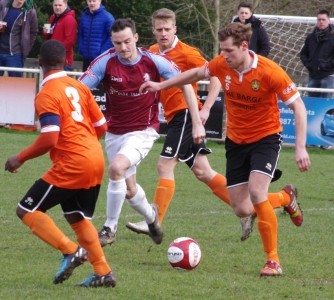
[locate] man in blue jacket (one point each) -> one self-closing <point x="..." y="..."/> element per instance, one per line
<point x="94" y="32"/>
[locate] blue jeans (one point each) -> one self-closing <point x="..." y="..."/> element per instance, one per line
<point x="14" y="61"/>
<point x="325" y="83"/>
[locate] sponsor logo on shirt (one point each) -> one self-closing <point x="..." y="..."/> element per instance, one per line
<point x="289" y="89"/>
<point x="116" y="79"/>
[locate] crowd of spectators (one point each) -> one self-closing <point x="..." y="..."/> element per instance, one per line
<point x="19" y="29"/>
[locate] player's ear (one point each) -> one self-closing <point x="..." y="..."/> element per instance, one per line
<point x="245" y="45"/>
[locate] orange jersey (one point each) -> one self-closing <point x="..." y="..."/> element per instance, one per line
<point x="77" y="158"/>
<point x="185" y="57"/>
<point x="251" y="97"/>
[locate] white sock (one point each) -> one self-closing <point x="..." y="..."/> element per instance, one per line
<point x="116" y="192"/>
<point x="139" y="203"/>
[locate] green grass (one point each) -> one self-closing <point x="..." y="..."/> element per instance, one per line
<point x="229" y="268"/>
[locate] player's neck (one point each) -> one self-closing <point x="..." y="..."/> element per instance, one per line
<point x="247" y="63"/>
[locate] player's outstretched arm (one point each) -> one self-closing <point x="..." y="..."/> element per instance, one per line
<point x="43" y="144"/>
<point x="213" y="91"/>
<point x="190" y="76"/>
<point x="301" y="156"/>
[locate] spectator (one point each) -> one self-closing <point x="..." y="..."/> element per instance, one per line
<point x="94" y="32"/>
<point x="259" y="42"/>
<point x="63" y="28"/>
<point x="18" y="36"/>
<point x="317" y="55"/>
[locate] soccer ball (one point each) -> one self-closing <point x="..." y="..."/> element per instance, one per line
<point x="184" y="253"/>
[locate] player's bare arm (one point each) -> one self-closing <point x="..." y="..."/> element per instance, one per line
<point x="301" y="156"/>
<point x="198" y="130"/>
<point x="213" y="91"/>
<point x="190" y="76"/>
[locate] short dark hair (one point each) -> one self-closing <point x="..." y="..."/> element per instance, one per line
<point x="323" y="12"/>
<point x="238" y="31"/>
<point x="247" y="5"/>
<point x="121" y="24"/>
<point x="53" y="54"/>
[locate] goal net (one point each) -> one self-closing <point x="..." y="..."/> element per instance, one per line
<point x="287" y="36"/>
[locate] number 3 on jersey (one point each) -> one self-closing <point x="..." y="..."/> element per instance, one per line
<point x="73" y="95"/>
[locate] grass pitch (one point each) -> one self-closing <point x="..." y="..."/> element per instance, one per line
<point x="229" y="268"/>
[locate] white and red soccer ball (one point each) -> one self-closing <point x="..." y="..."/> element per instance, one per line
<point x="184" y="253"/>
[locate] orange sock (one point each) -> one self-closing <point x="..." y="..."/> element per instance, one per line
<point x="163" y="196"/>
<point x="87" y="237"/>
<point x="44" y="227"/>
<point x="218" y="186"/>
<point x="280" y="199"/>
<point x="267" y="225"/>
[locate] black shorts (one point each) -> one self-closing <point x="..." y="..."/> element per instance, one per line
<point x="42" y="196"/>
<point x="179" y="140"/>
<point x="242" y="159"/>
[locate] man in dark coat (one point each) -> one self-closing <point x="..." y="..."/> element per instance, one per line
<point x="259" y="42"/>
<point x="317" y="55"/>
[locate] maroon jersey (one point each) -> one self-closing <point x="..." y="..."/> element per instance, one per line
<point x="128" y="110"/>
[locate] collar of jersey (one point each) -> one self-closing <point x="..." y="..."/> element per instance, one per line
<point x="53" y="76"/>
<point x="255" y="59"/>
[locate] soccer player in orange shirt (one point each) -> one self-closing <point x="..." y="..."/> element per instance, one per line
<point x="251" y="85"/>
<point x="179" y="145"/>
<point x="71" y="124"/>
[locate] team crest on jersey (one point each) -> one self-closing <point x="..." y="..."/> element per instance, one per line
<point x="255" y="85"/>
<point x="146" y="77"/>
<point x="227" y="82"/>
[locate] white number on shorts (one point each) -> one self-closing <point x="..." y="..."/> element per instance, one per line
<point x="73" y="95"/>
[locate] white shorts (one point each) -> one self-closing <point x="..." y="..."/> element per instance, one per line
<point x="133" y="145"/>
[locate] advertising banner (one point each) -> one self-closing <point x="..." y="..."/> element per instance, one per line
<point x="320" y="122"/>
<point x="17" y="100"/>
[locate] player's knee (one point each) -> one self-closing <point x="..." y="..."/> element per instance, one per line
<point x="116" y="171"/>
<point x="204" y="175"/>
<point x="255" y="194"/>
<point x="166" y="167"/>
<point x="20" y="212"/>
